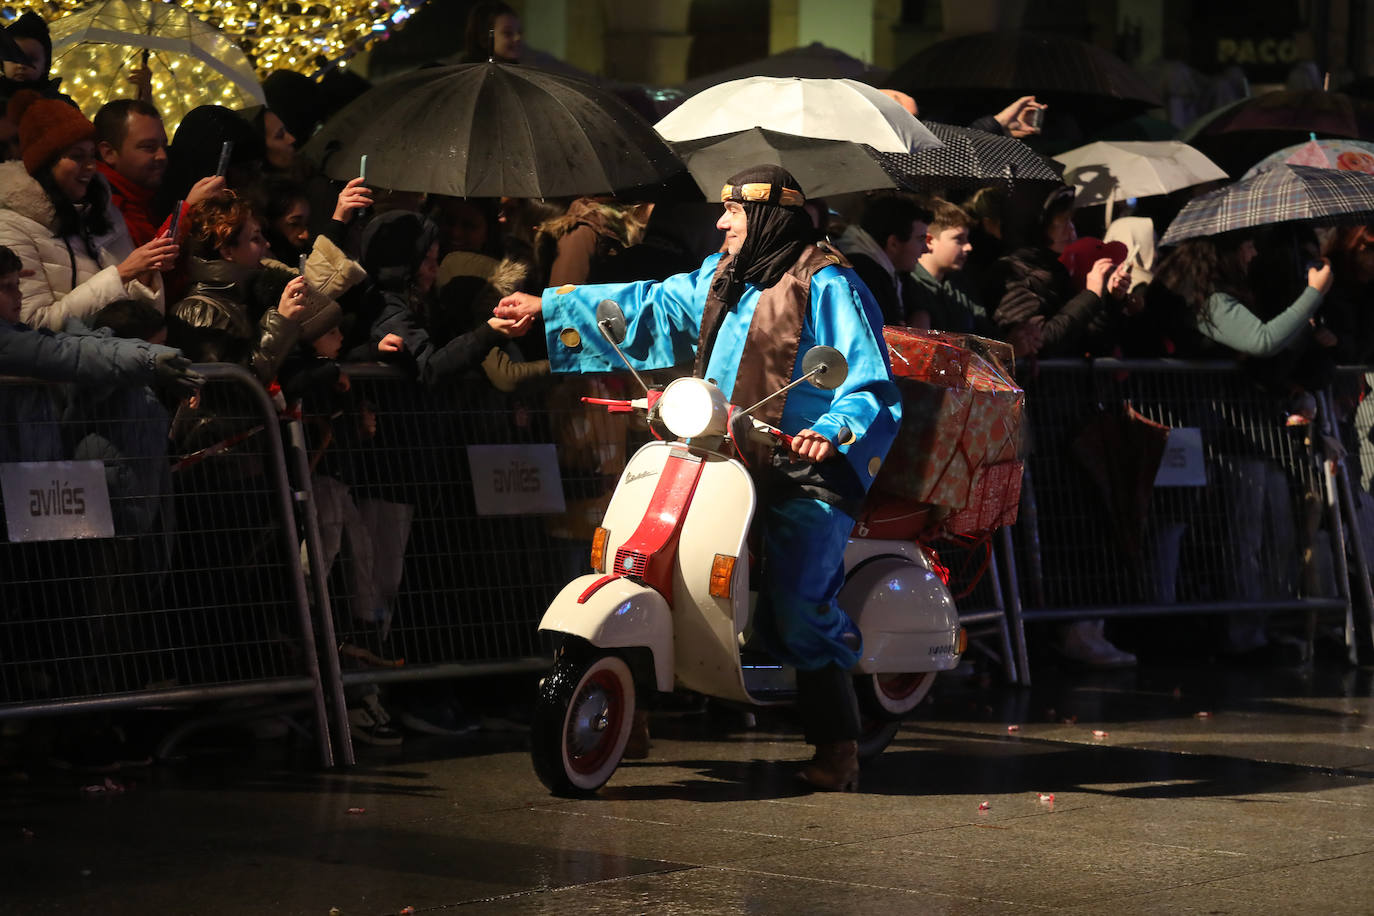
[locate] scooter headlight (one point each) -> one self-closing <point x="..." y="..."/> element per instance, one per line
<point x="693" y="407"/>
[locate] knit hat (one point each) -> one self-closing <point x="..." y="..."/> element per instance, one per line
<point x="46" y="128"/>
<point x="31" y="25"/>
<point x="321" y="314"/>
<point x="1080" y="256"/>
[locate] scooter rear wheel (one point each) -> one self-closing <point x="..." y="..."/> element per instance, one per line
<point x="582" y="720"/>
<point x="884" y="699"/>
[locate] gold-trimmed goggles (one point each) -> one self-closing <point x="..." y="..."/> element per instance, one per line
<point x="761" y="193"/>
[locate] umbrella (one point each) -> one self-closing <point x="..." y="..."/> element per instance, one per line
<point x="1282" y="194"/>
<point x="192" y="62"/>
<point x="983" y="73"/>
<point x="822" y="167"/>
<point x="822" y="109"/>
<point x="1238" y="135"/>
<point x="969" y="159"/>
<point x="1347" y="155"/>
<point x="494" y="130"/>
<point x="1104" y="171"/>
<point x="814" y="61"/>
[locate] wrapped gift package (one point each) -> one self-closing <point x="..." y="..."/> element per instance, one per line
<point x="994" y="500"/>
<point x="961" y="412"/>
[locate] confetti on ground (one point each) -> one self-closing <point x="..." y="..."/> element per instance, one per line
<point x="357" y="810"/>
<point x="1204" y="714"/>
<point x="1013" y="729"/>
<point x="1071" y="720"/>
<point x="1099" y="733"/>
<point x="335" y="911"/>
<point x="983" y="806"/>
<point x="407" y="911"/>
<point x="1047" y="796"/>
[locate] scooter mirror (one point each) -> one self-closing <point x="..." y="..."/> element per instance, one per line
<point x="828" y="364"/>
<point x="611" y="320"/>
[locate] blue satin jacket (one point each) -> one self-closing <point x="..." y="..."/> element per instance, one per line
<point x="665" y="325"/>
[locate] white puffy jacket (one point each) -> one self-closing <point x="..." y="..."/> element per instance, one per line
<point x="66" y="281"/>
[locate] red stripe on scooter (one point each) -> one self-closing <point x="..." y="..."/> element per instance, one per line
<point x="594" y="588"/>
<point x="657" y="534"/>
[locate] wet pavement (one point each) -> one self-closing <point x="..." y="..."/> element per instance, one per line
<point x="1205" y="790"/>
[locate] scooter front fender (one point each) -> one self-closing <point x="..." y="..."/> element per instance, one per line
<point x="620" y="614"/>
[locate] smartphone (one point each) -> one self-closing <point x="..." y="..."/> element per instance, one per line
<point x="362" y="168"/>
<point x="176" y="220"/>
<point x="225" y="151"/>
<point x="301" y="263"/>
<point x="1034" y="118"/>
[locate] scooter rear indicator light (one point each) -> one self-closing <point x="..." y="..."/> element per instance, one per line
<point x="722" y="575"/>
<point x="599" y="538"/>
<point x="963" y="640"/>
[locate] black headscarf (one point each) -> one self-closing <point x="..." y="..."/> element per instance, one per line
<point x="774" y="234"/>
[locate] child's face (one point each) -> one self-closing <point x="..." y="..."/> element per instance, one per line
<point x="329" y="343"/>
<point x="949" y="250"/>
<point x="26" y="71"/>
<point x="10" y="298"/>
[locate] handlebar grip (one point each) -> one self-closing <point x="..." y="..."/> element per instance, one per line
<point x="612" y="405"/>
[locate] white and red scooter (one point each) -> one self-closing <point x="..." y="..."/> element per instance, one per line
<point x="668" y="604"/>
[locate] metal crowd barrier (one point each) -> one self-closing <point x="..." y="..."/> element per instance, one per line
<point x="131" y="581"/>
<point x="413" y="533"/>
<point x="1244" y="513"/>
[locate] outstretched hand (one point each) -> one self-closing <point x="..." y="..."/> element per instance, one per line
<point x="511" y="327"/>
<point x="519" y="305"/>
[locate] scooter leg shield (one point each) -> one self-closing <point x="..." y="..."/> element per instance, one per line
<point x="620" y="614"/>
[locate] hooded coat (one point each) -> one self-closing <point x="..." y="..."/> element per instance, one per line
<point x="67" y="282"/>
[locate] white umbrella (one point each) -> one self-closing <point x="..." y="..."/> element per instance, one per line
<point x="1110" y="170"/>
<point x="819" y="109"/>
<point x="192" y="62"/>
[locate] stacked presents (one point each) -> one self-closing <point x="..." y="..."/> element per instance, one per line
<point x="953" y="468"/>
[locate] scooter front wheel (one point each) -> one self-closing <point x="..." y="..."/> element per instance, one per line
<point x="582" y="720"/>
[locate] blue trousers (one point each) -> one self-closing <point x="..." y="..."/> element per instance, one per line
<point x="797" y="616"/>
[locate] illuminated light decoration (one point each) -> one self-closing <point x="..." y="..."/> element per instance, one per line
<point x="309" y="36"/>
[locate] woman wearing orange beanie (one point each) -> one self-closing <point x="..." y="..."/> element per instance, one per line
<point x="54" y="215"/>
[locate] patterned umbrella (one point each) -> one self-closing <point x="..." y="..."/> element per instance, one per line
<point x="969" y="159"/>
<point x="1283" y="194"/>
<point x="1238" y="135"/>
<point x="1346" y="155"/>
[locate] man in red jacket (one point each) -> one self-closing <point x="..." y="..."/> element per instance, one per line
<point x="132" y="145"/>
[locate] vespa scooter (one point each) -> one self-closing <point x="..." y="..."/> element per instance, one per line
<point x="667" y="604"/>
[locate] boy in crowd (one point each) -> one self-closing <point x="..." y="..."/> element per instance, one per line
<point x="883" y="249"/>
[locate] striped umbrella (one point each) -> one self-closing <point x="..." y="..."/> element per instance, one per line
<point x="1283" y="194"/>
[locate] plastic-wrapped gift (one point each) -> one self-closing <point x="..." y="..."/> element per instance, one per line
<point x="994" y="500"/>
<point x="960" y="411"/>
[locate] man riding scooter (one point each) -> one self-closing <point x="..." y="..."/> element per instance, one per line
<point x="748" y="315"/>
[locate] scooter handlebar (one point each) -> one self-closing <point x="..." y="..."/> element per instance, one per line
<point x="618" y="405"/>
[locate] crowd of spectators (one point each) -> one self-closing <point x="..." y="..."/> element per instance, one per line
<point x="113" y="240"/>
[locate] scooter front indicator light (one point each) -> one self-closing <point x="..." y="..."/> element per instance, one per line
<point x="599" y="538"/>
<point x="962" y="641"/>
<point x="722" y="575"/>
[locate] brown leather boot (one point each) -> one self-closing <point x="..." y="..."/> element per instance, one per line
<point x="835" y="768"/>
<point x="637" y="747"/>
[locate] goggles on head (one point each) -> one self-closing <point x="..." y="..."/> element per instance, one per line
<point x="762" y="193"/>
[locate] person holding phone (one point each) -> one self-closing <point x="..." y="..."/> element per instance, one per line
<point x="54" y="215"/>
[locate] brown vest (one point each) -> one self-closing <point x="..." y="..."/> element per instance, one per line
<point x="770" y="347"/>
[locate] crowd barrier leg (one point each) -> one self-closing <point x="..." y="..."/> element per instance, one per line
<point x="326" y="646"/>
<point x="1359" y="618"/>
<point x="1015" y="621"/>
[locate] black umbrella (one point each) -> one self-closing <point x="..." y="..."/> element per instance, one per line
<point x="494" y="130"/>
<point x="814" y="61"/>
<point x="980" y="74"/>
<point x="969" y="159"/>
<point x="822" y="167"/>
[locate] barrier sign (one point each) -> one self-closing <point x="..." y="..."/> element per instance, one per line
<point x="1182" y="464"/>
<point x="516" y="479"/>
<point x="56" y="500"/>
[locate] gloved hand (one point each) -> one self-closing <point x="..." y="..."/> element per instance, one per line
<point x="171" y="368"/>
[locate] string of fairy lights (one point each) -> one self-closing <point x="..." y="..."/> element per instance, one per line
<point x="304" y="36"/>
